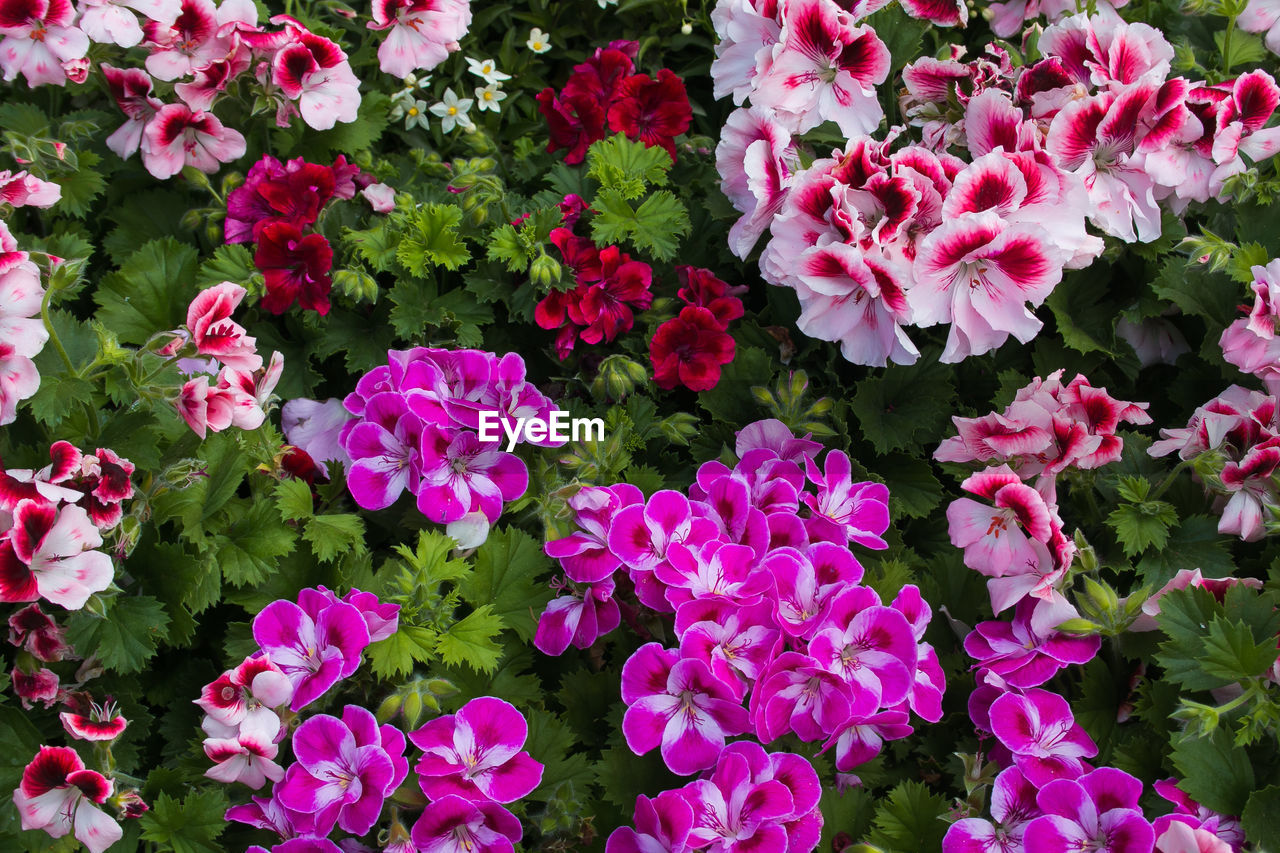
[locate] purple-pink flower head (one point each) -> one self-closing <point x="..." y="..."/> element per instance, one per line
<point x="456" y="824"/>
<point x="1099" y="811"/>
<point x="315" y="652"/>
<point x="345" y="769"/>
<point x="871" y="647"/>
<point x="460" y="474"/>
<point x="1040" y="731"/>
<point x="843" y="510"/>
<point x="1022" y="656"/>
<point x="661" y="823"/>
<point x="477" y="753"/>
<point x="580" y="618"/>
<point x="1013" y="806"/>
<point x="585" y="553"/>
<point x="679" y="706"/>
<point x="734" y="813"/>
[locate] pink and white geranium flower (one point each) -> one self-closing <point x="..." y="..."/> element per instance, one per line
<point x="477" y="754"/>
<point x="177" y="136"/>
<point x="314" y="71"/>
<point x="50" y="554"/>
<point x="114" y="21"/>
<point x="60" y="796"/>
<point x="422" y="32"/>
<point x="39" y="36"/>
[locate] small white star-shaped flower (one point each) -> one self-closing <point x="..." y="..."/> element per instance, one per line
<point x="487" y="70"/>
<point x="539" y="42"/>
<point x="488" y="97"/>
<point x="453" y="112"/>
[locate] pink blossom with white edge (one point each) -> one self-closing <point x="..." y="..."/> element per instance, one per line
<point x="315" y="72"/>
<point x="381" y="197"/>
<point x="50" y="554"/>
<point x="177" y="136"/>
<point x="38" y="38"/>
<point x="22" y="189"/>
<point x="60" y="796"/>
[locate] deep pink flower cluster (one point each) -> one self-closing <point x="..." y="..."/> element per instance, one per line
<point x="422" y="33"/>
<point x="276" y="208"/>
<point x="606" y="95"/>
<point x="1011" y="163"/>
<point x="609" y="288"/>
<point x="415" y="425"/>
<point x="690" y="349"/>
<point x="774" y="633"/>
<point x="1014" y="534"/>
<point x="38" y="634"/>
<point x="51" y="522"/>
<point x="1234" y="440"/>
<point x="242" y="386"/>
<point x="22" y="331"/>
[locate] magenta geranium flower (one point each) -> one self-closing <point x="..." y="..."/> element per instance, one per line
<point x="843" y="510"/>
<point x="796" y="694"/>
<point x="661" y="823"/>
<point x="714" y="570"/>
<point x="477" y="754"/>
<point x="870" y="646"/>
<point x="456" y="824"/>
<point x="1040" y="731"/>
<point x="585" y="553"/>
<point x="679" y="706"/>
<point x="1013" y="806"/>
<point x="1022" y="656"/>
<point x="734" y="813"/>
<point x="461" y="475"/>
<point x="345" y="769"/>
<point x="312" y="653"/>
<point x="1099" y="811"/>
<point x="580" y="618"/>
<point x="736" y="643"/>
<point x="59" y="795"/>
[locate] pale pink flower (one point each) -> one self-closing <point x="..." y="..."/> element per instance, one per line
<point x="315" y="72"/>
<point x="38" y="38"/>
<point x="176" y="137"/>
<point x="60" y="796"/>
<point x="381" y="197"/>
<point x="112" y="22"/>
<point x="21" y="189"/>
<point x="422" y="32"/>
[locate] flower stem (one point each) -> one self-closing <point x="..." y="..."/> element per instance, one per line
<point x="53" y="333"/>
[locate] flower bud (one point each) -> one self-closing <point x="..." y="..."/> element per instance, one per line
<point x="412" y="708"/>
<point x="618" y="376"/>
<point x="686" y="28"/>
<point x="389" y="708"/>
<point x="679" y="427"/>
<point x="544" y="271"/>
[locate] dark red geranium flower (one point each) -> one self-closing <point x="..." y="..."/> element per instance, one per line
<point x="574" y="122"/>
<point x="604" y="308"/>
<point x="604" y="72"/>
<point x="296" y="268"/>
<point x="297" y="463"/>
<point x="689" y="350"/>
<point x="579" y="254"/>
<point x="700" y="287"/>
<point x="35" y="631"/>
<point x="653" y="111"/>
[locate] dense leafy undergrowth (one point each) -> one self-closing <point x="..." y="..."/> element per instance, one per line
<point x="751" y="426"/>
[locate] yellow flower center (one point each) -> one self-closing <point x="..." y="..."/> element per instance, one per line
<point x="453" y="111"/>
<point x="488" y="96"/>
<point x="413" y="111"/>
<point x="537" y="45"/>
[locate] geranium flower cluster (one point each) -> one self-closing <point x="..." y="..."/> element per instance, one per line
<point x="420" y="33"/>
<point x="1251" y="342"/>
<point x="1046" y="796"/>
<point x="690" y="349"/>
<point x="874" y="240"/>
<point x="1014" y="534"/>
<point x="1233" y="442"/>
<point x="59" y="795"/>
<point x="22" y="331"/>
<point x="344" y="767"/>
<point x="755" y="565"/>
<point x="414" y="424"/>
<point x="276" y="208"/>
<point x="609" y="288"/>
<point x="51" y="524"/>
<point x="605" y="94"/>
<point x="242" y="386"/>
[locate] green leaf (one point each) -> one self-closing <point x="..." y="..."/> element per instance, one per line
<point x="412" y="307"/>
<point x="1231" y="654"/>
<point x="395" y="656"/>
<point x="189" y="825"/>
<point x="376" y="246"/>
<point x="1261" y="818"/>
<point x="506" y="573"/>
<point x="58" y="395"/>
<point x="222" y="467"/>
<point x="471" y="641"/>
<point x="249" y="551"/>
<point x="904" y="406"/>
<point x="81" y="186"/>
<point x="1215" y="772"/>
<point x="293" y="499"/>
<point x="1193" y="544"/>
<point x="909" y="820"/>
<point x="331" y="535"/>
<point x="150" y="292"/>
<point x="431" y="239"/>
<point x="627" y="166"/>
<point x="126" y="638"/>
<point x="1142" y="525"/>
<point x="654" y="225"/>
<point x="913" y="490"/>
<point x="232" y="262"/>
<point x="1197" y="291"/>
<point x="1185" y="616"/>
<point x="551" y="742"/>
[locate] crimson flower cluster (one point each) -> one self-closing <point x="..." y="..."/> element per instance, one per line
<point x="609" y="288"/>
<point x="276" y="208"/>
<point x="605" y="94"/>
<point x="690" y="348"/>
<point x="775" y="634"/>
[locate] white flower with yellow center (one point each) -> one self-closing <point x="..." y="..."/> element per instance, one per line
<point x="452" y="111"/>
<point x="488" y="97"/>
<point x="409" y="89"/>
<point x="487" y="70"/>
<point x="539" y="42"/>
<point x="413" y="111"/>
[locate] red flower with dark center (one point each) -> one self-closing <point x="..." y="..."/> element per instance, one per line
<point x="35" y="631"/>
<point x="296" y="268"/>
<point x="573" y="120"/>
<point x="653" y="111"/>
<point x="689" y="350"/>
<point x="604" y="309"/>
<point x="87" y="720"/>
<point x="602" y="75"/>
<point x="700" y="287"/>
